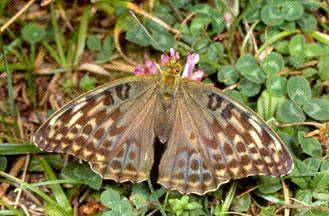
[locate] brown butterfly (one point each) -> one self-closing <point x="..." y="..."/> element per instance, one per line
<point x="210" y="137"/>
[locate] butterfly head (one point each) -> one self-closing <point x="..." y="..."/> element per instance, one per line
<point x="171" y="64"/>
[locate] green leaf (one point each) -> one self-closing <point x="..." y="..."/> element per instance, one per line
<point x="82" y="172"/>
<point x="235" y="94"/>
<point x="311" y="5"/>
<point x="288" y="26"/>
<point x="314" y="50"/>
<point x="282" y="47"/>
<point x="297" y="46"/>
<point x="199" y="23"/>
<point x="269" y="184"/>
<point x="248" y="88"/>
<point x="183" y="206"/>
<point x="218" y="22"/>
<point x="227" y="74"/>
<point x="301" y="168"/>
<point x="242" y="204"/>
<point x="87" y="83"/>
<point x="3" y="163"/>
<point x="33" y="33"/>
<point x="293" y="10"/>
<point x="164" y="39"/>
<point x="323" y="67"/>
<point x="267" y="106"/>
<point x="304" y="196"/>
<point x="307" y="23"/>
<point x="94" y="43"/>
<point x="124" y="207"/>
<point x="309" y="72"/>
<point x="310" y="146"/>
<point x="273" y="63"/>
<point x="299" y="89"/>
<point x="321" y="182"/>
<point x="277" y="85"/>
<point x="136" y="35"/>
<point x="248" y="67"/>
<point x="55" y="161"/>
<point x="110" y="198"/>
<point x="313" y="164"/>
<point x="139" y="195"/>
<point x="108" y="44"/>
<point x="272" y="14"/>
<point x="193" y="206"/>
<point x="317" y="108"/>
<point x="290" y="112"/>
<point x="268" y="211"/>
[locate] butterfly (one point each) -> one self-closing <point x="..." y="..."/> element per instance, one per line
<point x="210" y="138"/>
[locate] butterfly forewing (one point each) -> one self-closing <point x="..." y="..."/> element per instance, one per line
<point x="111" y="127"/>
<point x="215" y="139"/>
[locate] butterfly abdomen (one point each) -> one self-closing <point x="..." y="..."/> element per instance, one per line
<point x="164" y="120"/>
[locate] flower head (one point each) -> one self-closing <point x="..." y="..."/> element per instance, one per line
<point x="171" y="63"/>
<point x="173" y="55"/>
<point x="149" y="67"/>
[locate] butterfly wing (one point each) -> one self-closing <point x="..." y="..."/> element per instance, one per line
<point x="215" y="139"/>
<point x="111" y="127"/>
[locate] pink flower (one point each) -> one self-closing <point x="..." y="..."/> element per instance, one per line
<point x="191" y="61"/>
<point x="171" y="60"/>
<point x="149" y="67"/>
<point x="173" y="54"/>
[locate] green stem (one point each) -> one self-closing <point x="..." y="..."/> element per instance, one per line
<point x="163" y="213"/>
<point x="274" y="39"/>
<point x="321" y="37"/>
<point x="228" y="199"/>
<point x="231" y="32"/>
<point x="9" y="81"/>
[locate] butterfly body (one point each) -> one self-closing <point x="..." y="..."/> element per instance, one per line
<point x="210" y="138"/>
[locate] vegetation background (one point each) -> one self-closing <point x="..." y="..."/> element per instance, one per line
<point x="272" y="55"/>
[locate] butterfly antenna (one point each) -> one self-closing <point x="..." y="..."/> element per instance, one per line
<point x="146" y="31"/>
<point x="204" y="47"/>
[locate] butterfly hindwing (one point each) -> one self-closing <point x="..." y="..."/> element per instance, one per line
<point x="215" y="139"/>
<point x="109" y="127"/>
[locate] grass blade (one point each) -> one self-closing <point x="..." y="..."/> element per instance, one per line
<point x="18" y="149"/>
<point x="82" y="34"/>
<point x="60" y="211"/>
<point x="59" y="194"/>
<point x="58" y="37"/>
<point x="228" y="199"/>
<point x="9" y="80"/>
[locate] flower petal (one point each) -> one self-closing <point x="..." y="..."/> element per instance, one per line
<point x="185" y="71"/>
<point x="164" y="59"/>
<point x="198" y="75"/>
<point x="172" y="52"/>
<point x="139" y="70"/>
